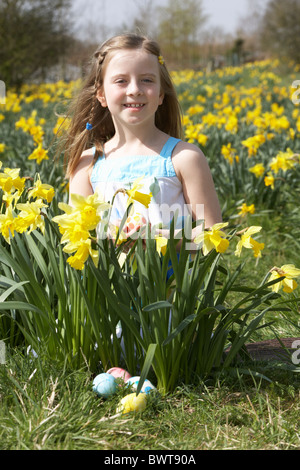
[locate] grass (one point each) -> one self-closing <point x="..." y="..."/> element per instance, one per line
<point x="46" y="406"/>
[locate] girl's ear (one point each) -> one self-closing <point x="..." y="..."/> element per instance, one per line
<point x="101" y="98"/>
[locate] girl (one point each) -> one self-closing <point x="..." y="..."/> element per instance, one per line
<point x="127" y="125"/>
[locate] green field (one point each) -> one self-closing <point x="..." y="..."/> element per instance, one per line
<point x="66" y="305"/>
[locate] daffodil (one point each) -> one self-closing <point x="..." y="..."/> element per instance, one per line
<point x="269" y="180"/>
<point x="161" y="244"/>
<point x="283" y="161"/>
<point x="244" y="209"/>
<point x="30" y="216"/>
<point x="39" y="154"/>
<point x="135" y="195"/>
<point x="7" y="224"/>
<point x="76" y="224"/>
<point x="11" y="181"/>
<point x="229" y="153"/>
<point x="247" y="241"/>
<point x="288" y="272"/>
<point x="88" y="209"/>
<point x="41" y="190"/>
<point x="214" y="238"/>
<point x="258" y="170"/>
<point x="83" y="250"/>
<point x="253" y="143"/>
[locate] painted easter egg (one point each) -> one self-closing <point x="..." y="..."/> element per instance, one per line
<point x="119" y="373"/>
<point x="132" y="402"/>
<point x="134" y="221"/>
<point x="104" y="385"/>
<point x="146" y="387"/>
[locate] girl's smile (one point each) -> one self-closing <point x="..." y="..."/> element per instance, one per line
<point x="134" y="106"/>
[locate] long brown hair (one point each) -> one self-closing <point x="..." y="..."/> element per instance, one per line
<point x="87" y="109"/>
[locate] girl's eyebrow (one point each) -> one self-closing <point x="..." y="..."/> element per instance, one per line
<point x="148" y="74"/>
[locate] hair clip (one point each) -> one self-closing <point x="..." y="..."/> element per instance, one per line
<point x="161" y="60"/>
<point x="88" y="126"/>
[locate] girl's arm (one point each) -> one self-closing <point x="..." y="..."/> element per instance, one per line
<point x="198" y="187"/>
<point x="80" y="179"/>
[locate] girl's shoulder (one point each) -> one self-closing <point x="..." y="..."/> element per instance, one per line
<point x="188" y="160"/>
<point x="87" y="157"/>
<point x="88" y="153"/>
<point x="85" y="162"/>
<point x="185" y="153"/>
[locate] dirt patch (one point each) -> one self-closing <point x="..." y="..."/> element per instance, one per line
<point x="272" y="349"/>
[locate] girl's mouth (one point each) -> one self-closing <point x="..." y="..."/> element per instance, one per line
<point x="134" y="105"/>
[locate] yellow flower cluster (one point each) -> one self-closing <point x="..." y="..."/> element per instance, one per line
<point x="283" y="161"/>
<point x="247" y="121"/>
<point x="287" y="272"/>
<point x="17" y="216"/>
<point x="77" y="225"/>
<point x="229" y="153"/>
<point x="42" y="93"/>
<point x="34" y="128"/>
<point x="216" y="239"/>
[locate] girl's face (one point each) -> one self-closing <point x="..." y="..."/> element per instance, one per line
<point x="131" y="87"/>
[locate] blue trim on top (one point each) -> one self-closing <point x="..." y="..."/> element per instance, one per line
<point x="169" y="146"/>
<point x="135" y="166"/>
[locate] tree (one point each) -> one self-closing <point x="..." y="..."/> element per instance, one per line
<point x="281" y="29"/>
<point x="144" y="21"/>
<point x="178" y="30"/>
<point x="33" y="36"/>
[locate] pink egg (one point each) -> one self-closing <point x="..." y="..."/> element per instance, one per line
<point x="117" y="372"/>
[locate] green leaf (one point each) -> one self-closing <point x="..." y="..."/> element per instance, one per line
<point x="157" y="305"/>
<point x="146" y="366"/>
<point x="9" y="291"/>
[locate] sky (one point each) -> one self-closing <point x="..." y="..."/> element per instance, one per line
<point x="225" y="14"/>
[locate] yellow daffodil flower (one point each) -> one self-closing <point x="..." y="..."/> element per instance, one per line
<point x="79" y="219"/>
<point x="30" y="216"/>
<point x="288" y="271"/>
<point x="248" y="242"/>
<point x="258" y="170"/>
<point x="41" y="190"/>
<point x="253" y="143"/>
<point x="246" y="209"/>
<point x="11" y="181"/>
<point x="161" y="244"/>
<point x="229" y="153"/>
<point x="135" y="195"/>
<point x="39" y="154"/>
<point x="213" y="239"/>
<point x="88" y="209"/>
<point x="269" y="180"/>
<point x="83" y="250"/>
<point x="283" y="161"/>
<point x="7" y="224"/>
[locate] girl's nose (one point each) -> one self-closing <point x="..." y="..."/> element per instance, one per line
<point x="133" y="88"/>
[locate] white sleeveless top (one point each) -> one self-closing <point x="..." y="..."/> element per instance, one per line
<point x="159" y="178"/>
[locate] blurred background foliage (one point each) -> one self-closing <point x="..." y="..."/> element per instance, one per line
<point x="40" y="41"/>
